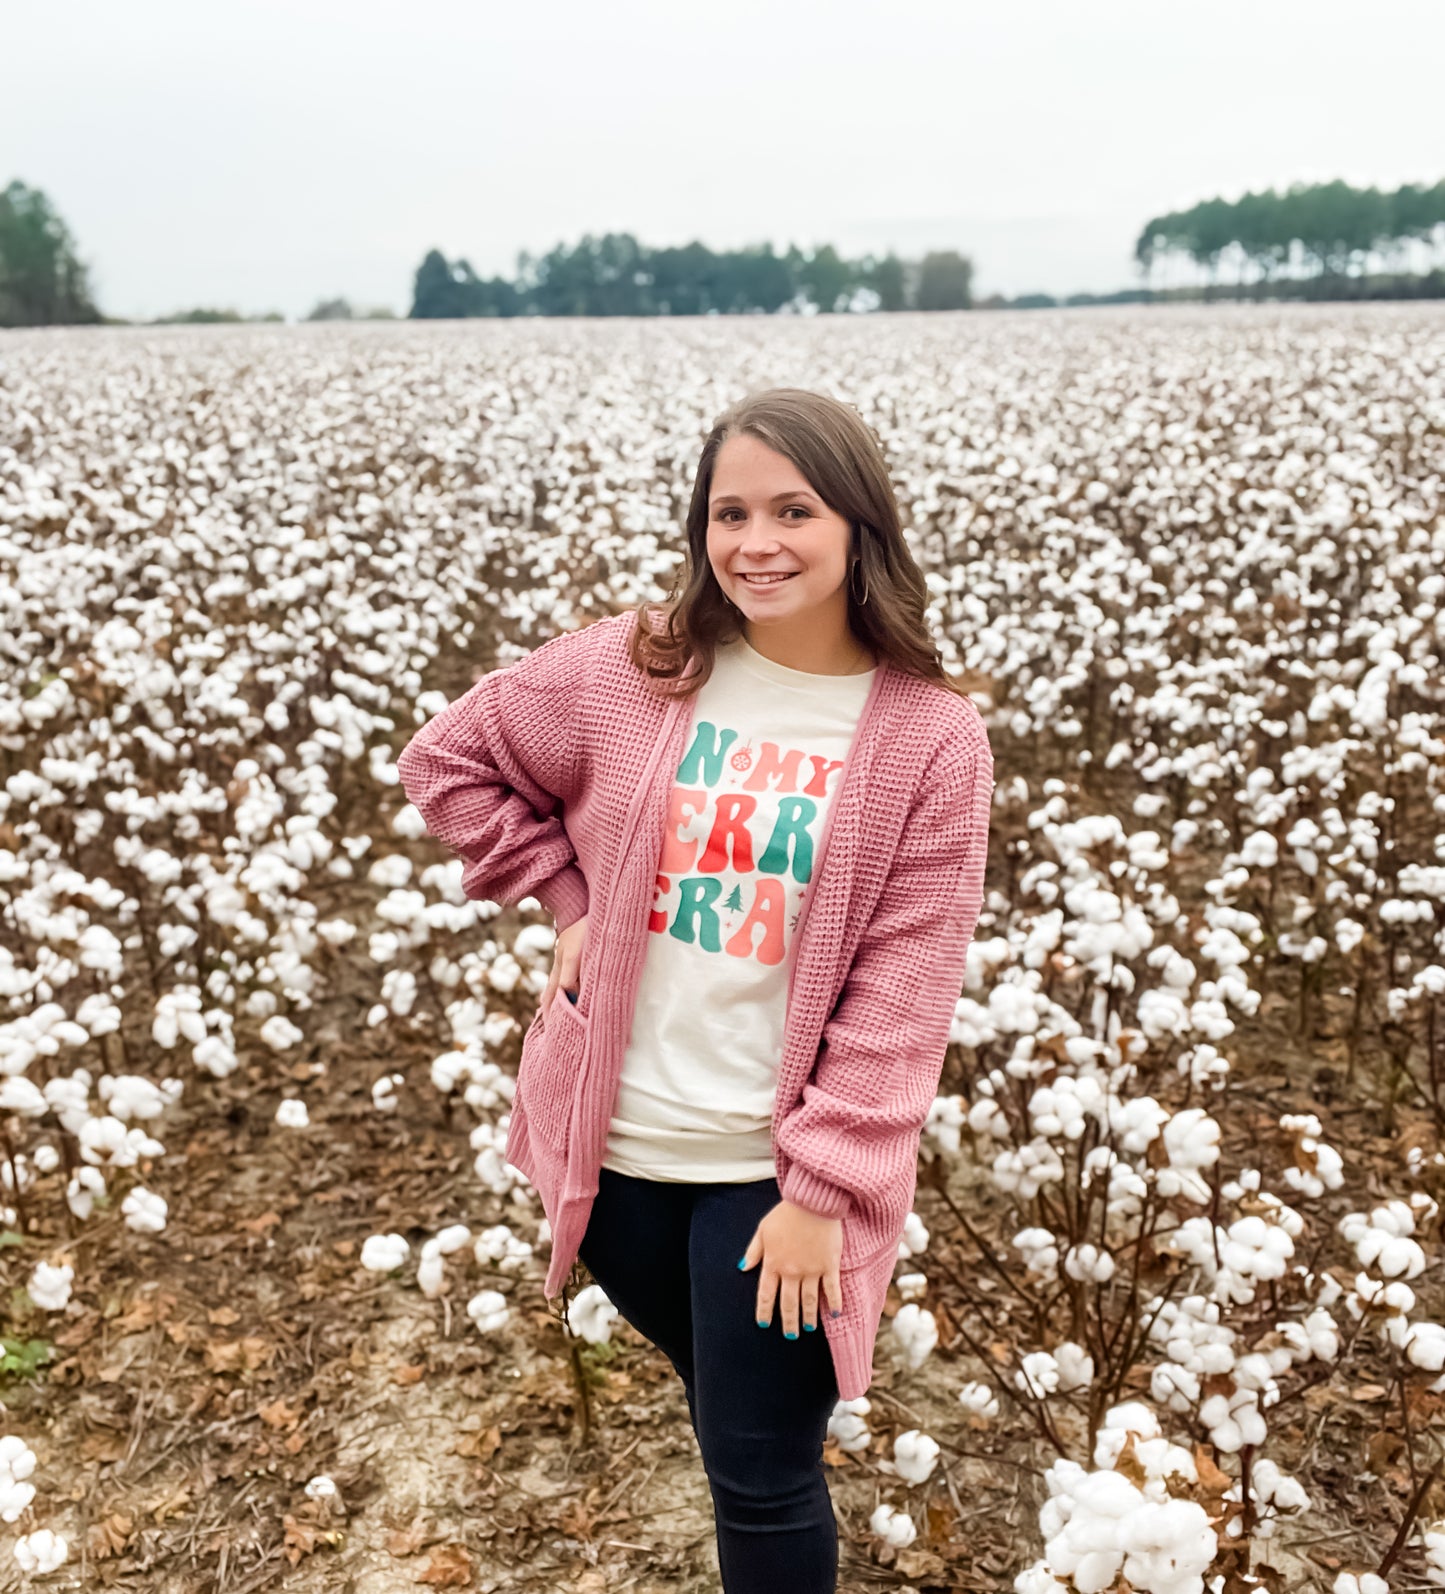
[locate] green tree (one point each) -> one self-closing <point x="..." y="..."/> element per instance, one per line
<point x="42" y="282"/>
<point x="331" y="310"/>
<point x="945" y="281"/>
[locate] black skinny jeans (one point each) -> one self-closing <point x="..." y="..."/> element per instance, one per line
<point x="666" y="1254"/>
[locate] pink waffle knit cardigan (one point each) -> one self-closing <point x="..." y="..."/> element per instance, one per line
<point x="551" y="777"/>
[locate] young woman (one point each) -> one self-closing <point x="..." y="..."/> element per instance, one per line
<point x="760" y="820"/>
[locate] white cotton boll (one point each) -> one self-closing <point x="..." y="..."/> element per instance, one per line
<point x="1040" y="1251"/>
<point x="1168" y="1546"/>
<point x="1028" y="1169"/>
<point x="915" y="1455"/>
<point x="916" y="1331"/>
<point x="1391" y="1255"/>
<point x="1038" y="1374"/>
<point x="1256" y="1249"/>
<point x="942" y="1130"/>
<point x="321" y="1487"/>
<point x="1036" y="1579"/>
<point x="1162" y="1014"/>
<point x="17" y="1463"/>
<point x="384" y="1092"/>
<point x="1088" y="1263"/>
<point x="1432" y="1537"/>
<point x="500" y="1246"/>
<point x="1128" y="1417"/>
<point x="383" y="1253"/>
<point x="849" y="1426"/>
<point x="19" y="1095"/>
<point x="1088" y="1548"/>
<point x="915" y="1237"/>
<point x="144" y="1211"/>
<point x="1392" y="1296"/>
<point x="1233" y="1420"/>
<point x="1359" y="1583"/>
<point x="1174" y="1386"/>
<point x="41" y="1552"/>
<point x="894" y="1527"/>
<point x="488" y="1310"/>
<point x="986" y="1117"/>
<point x="979" y="1399"/>
<point x="1424" y="1345"/>
<point x="292" y="1113"/>
<point x="1136" y="1123"/>
<point x="129" y="1097"/>
<point x="1076" y="1366"/>
<point x="217" y="1056"/>
<point x="912" y="1286"/>
<point x="86" y="1184"/>
<point x="1191" y="1137"/>
<point x="452" y="1238"/>
<point x="431" y="1271"/>
<point x="49" y="1287"/>
<point x="591" y="1315"/>
<point x="280" y="1034"/>
<point x="1316" y="1337"/>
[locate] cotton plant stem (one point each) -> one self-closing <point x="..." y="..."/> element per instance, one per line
<point x="1411" y="1511"/>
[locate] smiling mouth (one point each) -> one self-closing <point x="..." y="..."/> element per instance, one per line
<point x="770" y="580"/>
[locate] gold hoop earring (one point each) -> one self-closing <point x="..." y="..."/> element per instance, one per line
<point x="861" y="601"/>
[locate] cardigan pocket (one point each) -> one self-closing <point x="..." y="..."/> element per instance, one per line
<point x="547" y="1077"/>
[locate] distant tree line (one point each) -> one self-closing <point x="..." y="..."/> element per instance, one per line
<point x="42" y="281"/>
<point x="615" y="275"/>
<point x="1314" y="230"/>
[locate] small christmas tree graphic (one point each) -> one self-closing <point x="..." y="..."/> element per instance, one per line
<point x="735" y="899"/>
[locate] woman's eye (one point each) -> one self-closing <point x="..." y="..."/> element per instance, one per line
<point x="798" y="507"/>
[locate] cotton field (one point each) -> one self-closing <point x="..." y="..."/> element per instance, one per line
<point x="1168" y="1315"/>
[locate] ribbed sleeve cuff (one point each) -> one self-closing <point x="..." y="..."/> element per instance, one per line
<point x="813" y="1194"/>
<point x="564" y="895"/>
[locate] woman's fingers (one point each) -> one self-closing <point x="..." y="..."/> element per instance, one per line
<point x="809" y="1303"/>
<point x="767" y="1293"/>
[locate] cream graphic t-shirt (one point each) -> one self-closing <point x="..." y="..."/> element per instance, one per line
<point x="749" y="800"/>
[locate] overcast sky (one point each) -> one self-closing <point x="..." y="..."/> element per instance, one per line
<point x="266" y="155"/>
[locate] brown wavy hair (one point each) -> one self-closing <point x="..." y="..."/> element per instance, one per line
<point x="842" y="458"/>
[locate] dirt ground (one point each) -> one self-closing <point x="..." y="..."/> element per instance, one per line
<point x="202" y="1376"/>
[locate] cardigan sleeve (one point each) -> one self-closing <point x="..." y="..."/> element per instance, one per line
<point x="854" y="1134"/>
<point x="491" y="775"/>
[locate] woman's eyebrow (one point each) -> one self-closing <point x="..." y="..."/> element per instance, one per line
<point x="777" y="498"/>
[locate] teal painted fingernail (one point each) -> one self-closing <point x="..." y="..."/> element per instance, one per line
<point x="762" y="1322"/>
<point x="809" y="1327"/>
<point x="787" y="1335"/>
<point x="742" y="1261"/>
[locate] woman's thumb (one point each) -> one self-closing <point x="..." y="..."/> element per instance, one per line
<point x="754" y="1251"/>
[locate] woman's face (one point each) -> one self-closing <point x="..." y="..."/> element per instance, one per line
<point x="763" y="517"/>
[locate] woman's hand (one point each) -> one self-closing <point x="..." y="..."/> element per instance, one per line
<point x="566" y="963"/>
<point x="799" y="1250"/>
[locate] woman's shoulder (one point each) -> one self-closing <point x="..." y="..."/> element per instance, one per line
<point x="943" y="724"/>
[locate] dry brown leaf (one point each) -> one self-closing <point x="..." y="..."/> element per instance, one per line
<point x="483" y="1445"/>
<point x="408" y="1373"/>
<point x="450" y="1566"/>
<point x="109" y="1536"/>
<point x="172" y="1504"/>
<point x="277" y="1414"/>
<point x="103" y="1445"/>
<point x="1211" y="1477"/>
<point x="407" y="1541"/>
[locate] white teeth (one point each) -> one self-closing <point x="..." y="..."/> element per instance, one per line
<point x="768" y="581"/>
